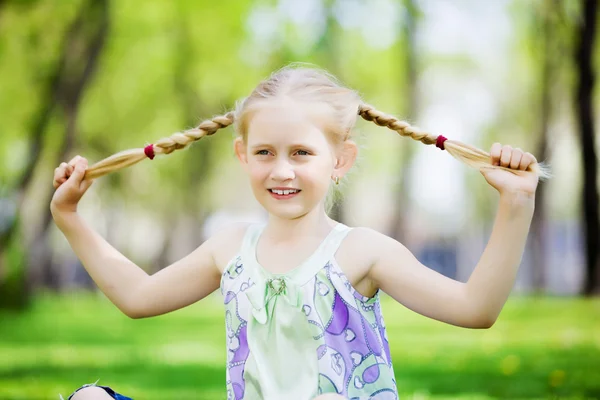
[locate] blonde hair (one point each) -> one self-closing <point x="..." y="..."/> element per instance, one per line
<point x="315" y="90"/>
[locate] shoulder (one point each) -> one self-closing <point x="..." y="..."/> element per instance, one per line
<point x="385" y="251"/>
<point x="362" y="238"/>
<point x="357" y="254"/>
<point x="357" y="246"/>
<point x="372" y="240"/>
<point x="226" y="243"/>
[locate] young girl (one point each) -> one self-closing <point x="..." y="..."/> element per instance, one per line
<point x="301" y="292"/>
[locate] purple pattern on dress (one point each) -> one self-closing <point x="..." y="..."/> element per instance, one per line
<point x="237" y="360"/>
<point x="237" y="363"/>
<point x="348" y="339"/>
<point x="371" y="374"/>
<point x="339" y="320"/>
<point x="382" y="334"/>
<point x="228" y="297"/>
<point x="347" y="323"/>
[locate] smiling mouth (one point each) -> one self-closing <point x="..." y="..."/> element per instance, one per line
<point x="283" y="193"/>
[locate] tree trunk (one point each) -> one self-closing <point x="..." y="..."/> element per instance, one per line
<point x="405" y="147"/>
<point x="84" y="44"/>
<point x="200" y="160"/>
<point x="39" y="252"/>
<point x="547" y="74"/>
<point x="585" y="120"/>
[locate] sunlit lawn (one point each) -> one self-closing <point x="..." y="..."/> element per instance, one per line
<point x="539" y="348"/>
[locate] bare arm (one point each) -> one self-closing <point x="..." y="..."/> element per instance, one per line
<point x="129" y="287"/>
<point x="186" y="281"/>
<point x="398" y="273"/>
<point x="477" y="303"/>
<point x="114" y="274"/>
<point x="492" y="280"/>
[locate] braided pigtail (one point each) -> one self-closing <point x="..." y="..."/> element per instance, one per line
<point x="469" y="155"/>
<point x="166" y="145"/>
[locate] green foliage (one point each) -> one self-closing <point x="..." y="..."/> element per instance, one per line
<point x="14" y="259"/>
<point x="539" y="348"/>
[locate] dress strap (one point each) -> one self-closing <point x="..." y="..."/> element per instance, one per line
<point x="248" y="250"/>
<point x="304" y="272"/>
<point x="322" y="255"/>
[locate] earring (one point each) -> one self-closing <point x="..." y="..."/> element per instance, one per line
<point x="336" y="179"/>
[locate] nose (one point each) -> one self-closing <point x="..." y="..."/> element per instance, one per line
<point x="282" y="170"/>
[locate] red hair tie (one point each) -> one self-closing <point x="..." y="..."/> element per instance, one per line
<point x="439" y="143"/>
<point x="149" y="151"/>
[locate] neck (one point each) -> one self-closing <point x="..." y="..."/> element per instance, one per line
<point x="316" y="223"/>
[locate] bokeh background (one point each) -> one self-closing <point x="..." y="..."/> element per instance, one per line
<point x="94" y="77"/>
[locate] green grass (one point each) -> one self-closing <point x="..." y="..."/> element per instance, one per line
<point x="539" y="348"/>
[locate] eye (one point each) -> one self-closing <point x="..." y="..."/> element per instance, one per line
<point x="262" y="153"/>
<point x="302" y="153"/>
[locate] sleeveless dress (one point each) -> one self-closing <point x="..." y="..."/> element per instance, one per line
<point x="302" y="333"/>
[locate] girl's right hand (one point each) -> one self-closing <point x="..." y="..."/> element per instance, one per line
<point x="69" y="185"/>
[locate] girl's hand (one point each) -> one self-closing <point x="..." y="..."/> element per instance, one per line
<point x="511" y="182"/>
<point x="69" y="185"/>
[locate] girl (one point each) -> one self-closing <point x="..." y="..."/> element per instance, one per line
<point x="301" y="292"/>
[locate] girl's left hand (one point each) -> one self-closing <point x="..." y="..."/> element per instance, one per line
<point x="511" y="182"/>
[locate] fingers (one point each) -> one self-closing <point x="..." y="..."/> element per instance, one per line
<point x="526" y="161"/>
<point x="61" y="174"/>
<point x="515" y="159"/>
<point x="496" y="152"/>
<point x="64" y="170"/>
<point x="506" y="156"/>
<point x="79" y="171"/>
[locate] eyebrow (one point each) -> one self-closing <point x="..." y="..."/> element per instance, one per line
<point x="292" y="145"/>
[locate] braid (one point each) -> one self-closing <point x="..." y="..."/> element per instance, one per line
<point x="465" y="153"/>
<point x="403" y="128"/>
<point x="166" y="145"/>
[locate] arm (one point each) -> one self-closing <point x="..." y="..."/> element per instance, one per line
<point x="129" y="287"/>
<point x="477" y="303"/>
<point x="114" y="274"/>
<point x="398" y="273"/>
<point x="492" y="280"/>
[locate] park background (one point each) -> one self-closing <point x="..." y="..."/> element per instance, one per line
<point x="94" y="77"/>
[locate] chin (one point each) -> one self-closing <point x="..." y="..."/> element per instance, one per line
<point x="286" y="212"/>
<point x="282" y="210"/>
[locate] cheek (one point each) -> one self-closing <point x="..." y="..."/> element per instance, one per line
<point x="257" y="172"/>
<point x="316" y="173"/>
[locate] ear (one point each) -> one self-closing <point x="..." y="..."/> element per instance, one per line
<point x="346" y="156"/>
<point x="241" y="151"/>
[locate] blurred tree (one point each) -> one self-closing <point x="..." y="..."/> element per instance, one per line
<point x="543" y="34"/>
<point x="61" y="97"/>
<point x="550" y="20"/>
<point x="408" y="91"/>
<point x="164" y="73"/>
<point x="585" y="120"/>
<point x="201" y="159"/>
<point x="79" y="61"/>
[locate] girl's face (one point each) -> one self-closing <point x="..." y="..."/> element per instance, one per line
<point x="289" y="160"/>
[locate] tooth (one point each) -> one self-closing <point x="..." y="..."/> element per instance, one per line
<point x="286" y="192"/>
